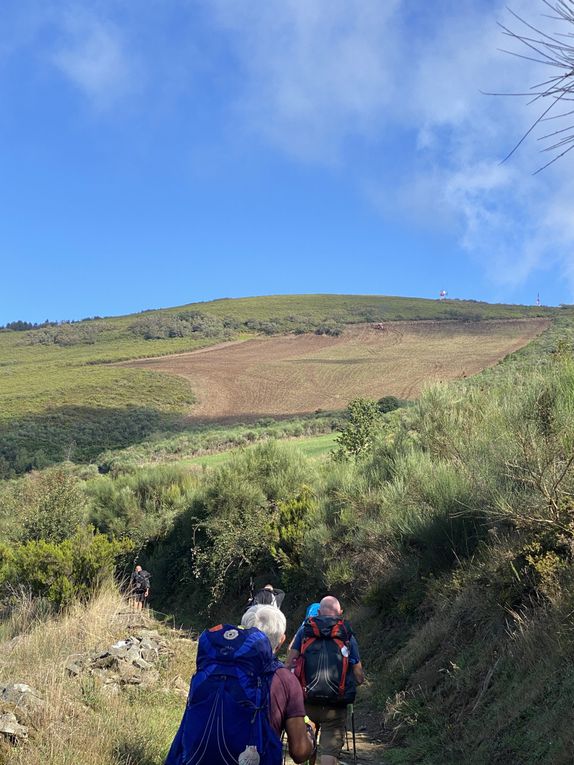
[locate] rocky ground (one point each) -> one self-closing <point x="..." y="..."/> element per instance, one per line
<point x="142" y="658"/>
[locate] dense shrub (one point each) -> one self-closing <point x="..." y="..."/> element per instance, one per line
<point x="44" y="505"/>
<point x="389" y="404"/>
<point x="248" y="516"/>
<point x="184" y="324"/>
<point x="66" y="334"/>
<point x="141" y="505"/>
<point x="332" y="329"/>
<point x="60" y="571"/>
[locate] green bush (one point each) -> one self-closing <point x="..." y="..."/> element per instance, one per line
<point x="357" y="437"/>
<point x="60" y="571"/>
<point x="247" y="517"/>
<point x="140" y="505"/>
<point x="389" y="404"/>
<point x="43" y="505"/>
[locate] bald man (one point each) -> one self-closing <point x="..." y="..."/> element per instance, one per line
<point x="330" y="716"/>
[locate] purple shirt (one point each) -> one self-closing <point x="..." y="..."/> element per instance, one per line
<point x="286" y="699"/>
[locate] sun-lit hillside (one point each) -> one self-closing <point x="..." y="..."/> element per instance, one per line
<point x="61" y="397"/>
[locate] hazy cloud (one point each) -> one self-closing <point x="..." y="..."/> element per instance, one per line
<point x="315" y="73"/>
<point x="92" y="54"/>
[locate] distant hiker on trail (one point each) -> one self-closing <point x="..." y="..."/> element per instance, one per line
<point x="326" y="660"/>
<point x="268" y="596"/>
<point x="242" y="698"/>
<point x="139" y="587"/>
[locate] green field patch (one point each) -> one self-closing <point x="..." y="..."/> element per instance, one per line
<point x="315" y="447"/>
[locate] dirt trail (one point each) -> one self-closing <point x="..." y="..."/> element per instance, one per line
<point x="369" y="747"/>
<point x="295" y="374"/>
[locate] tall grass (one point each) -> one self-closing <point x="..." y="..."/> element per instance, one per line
<point x="80" y="722"/>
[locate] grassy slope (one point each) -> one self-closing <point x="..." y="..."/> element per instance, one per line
<point x="81" y="723"/>
<point x="65" y="401"/>
<point x="349" y="308"/>
<point x="444" y="663"/>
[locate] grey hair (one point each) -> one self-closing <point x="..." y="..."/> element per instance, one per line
<point x="268" y="619"/>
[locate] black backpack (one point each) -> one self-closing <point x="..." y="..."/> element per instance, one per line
<point x="268" y="598"/>
<point x="141" y="580"/>
<point x="323" y="666"/>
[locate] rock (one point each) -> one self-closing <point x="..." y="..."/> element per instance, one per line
<point x="73" y="668"/>
<point x="133" y="654"/>
<point x="150" y="655"/>
<point x="130" y="675"/>
<point x="150" y="678"/>
<point x="10" y="727"/>
<point x="180" y="683"/>
<point x="149" y="635"/>
<point x="142" y="663"/>
<point x="105" y="662"/>
<point x="20" y="695"/>
<point x="126" y="662"/>
<point x="120" y="649"/>
<point x="181" y="686"/>
<point x="95" y="655"/>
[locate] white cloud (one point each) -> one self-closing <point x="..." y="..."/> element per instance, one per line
<point x="92" y="54"/>
<point x="321" y="74"/>
<point x="316" y="72"/>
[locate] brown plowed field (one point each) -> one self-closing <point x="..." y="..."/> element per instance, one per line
<point x="293" y="374"/>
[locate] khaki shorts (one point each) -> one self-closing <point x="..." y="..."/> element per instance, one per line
<point x="333" y="722"/>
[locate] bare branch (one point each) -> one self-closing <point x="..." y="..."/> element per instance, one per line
<point x="557" y="51"/>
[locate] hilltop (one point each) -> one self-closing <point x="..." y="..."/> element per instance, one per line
<point x="62" y="396"/>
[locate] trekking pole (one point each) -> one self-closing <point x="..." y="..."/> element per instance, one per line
<point x="353" y="731"/>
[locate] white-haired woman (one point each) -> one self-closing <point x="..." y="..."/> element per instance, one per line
<point x="286" y="703"/>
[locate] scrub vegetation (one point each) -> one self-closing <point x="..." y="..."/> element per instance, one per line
<point x="446" y="526"/>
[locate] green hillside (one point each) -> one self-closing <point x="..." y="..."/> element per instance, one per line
<point x="449" y="538"/>
<point x="60" y="398"/>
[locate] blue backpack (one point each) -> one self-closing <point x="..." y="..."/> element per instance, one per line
<point x="228" y="705"/>
<point x="312" y="610"/>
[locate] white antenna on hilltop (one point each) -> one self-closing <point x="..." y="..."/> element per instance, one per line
<point x="442" y="294"/>
<point x="538" y="300"/>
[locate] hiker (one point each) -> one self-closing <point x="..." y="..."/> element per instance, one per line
<point x="139" y="587"/>
<point x="267" y="596"/>
<point x="325" y="657"/>
<point x="242" y="698"/>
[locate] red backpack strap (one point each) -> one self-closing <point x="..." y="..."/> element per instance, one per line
<point x="314" y="626"/>
<point x="342" y="642"/>
<point x="300" y="662"/>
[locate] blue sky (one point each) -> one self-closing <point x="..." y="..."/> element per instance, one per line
<point x="161" y="152"/>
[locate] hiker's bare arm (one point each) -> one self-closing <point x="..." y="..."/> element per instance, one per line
<point x="300" y="744"/>
<point x="292" y="657"/>
<point x="359" y="673"/>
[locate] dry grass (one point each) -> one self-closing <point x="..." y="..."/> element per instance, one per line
<point x="81" y="723"/>
<point x="295" y="374"/>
